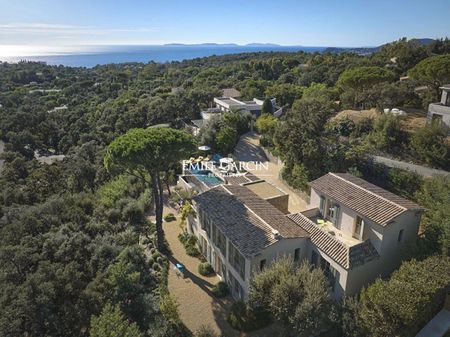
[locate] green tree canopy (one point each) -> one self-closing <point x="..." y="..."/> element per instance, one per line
<point x="298" y="297"/>
<point x="226" y="140"/>
<point x="434" y="71"/>
<point x="430" y="145"/>
<point x="285" y="93"/>
<point x="147" y="153"/>
<point x="111" y="323"/>
<point x="267" y="107"/>
<point x="435" y="198"/>
<point x="401" y="305"/>
<point x="387" y="133"/>
<point x="360" y="78"/>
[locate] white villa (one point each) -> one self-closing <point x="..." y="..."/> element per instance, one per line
<point x="358" y="231"/>
<point x="225" y="104"/>
<point x="440" y="112"/>
<point x="355" y="231"/>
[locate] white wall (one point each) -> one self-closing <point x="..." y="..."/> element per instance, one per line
<point x="341" y="279"/>
<point x="392" y="252"/>
<point x="408" y="221"/>
<point x="284" y="247"/>
<point x="383" y="238"/>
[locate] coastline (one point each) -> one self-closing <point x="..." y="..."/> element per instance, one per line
<point x="144" y="54"/>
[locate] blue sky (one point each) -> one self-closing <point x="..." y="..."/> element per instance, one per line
<point x="64" y="23"/>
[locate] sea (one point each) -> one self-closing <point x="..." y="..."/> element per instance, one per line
<point x="164" y="53"/>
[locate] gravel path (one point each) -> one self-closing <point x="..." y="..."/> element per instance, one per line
<point x="197" y="305"/>
<point x="193" y="293"/>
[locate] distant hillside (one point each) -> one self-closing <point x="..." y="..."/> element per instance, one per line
<point x="422" y="42"/>
<point x="356" y="50"/>
<point x="370" y="50"/>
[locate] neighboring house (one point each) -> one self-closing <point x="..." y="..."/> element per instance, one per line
<point x="355" y="231"/>
<point x="58" y="108"/>
<point x="239" y="233"/>
<point x="358" y="230"/>
<point x="208" y="113"/>
<point x="193" y="126"/>
<point x="440" y="112"/>
<point x="225" y="104"/>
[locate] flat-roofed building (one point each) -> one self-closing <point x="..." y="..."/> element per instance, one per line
<point x="225" y="104"/>
<point x="440" y="112"/>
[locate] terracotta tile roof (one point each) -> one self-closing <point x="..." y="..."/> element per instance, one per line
<point x="231" y="92"/>
<point x="367" y="199"/>
<point x="245" y="219"/>
<point x="347" y="257"/>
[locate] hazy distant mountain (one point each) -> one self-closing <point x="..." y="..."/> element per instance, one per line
<point x="202" y="44"/>
<point x="262" y="45"/>
<point x="225" y="44"/>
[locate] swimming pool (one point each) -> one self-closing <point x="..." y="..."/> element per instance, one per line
<point x="207" y="177"/>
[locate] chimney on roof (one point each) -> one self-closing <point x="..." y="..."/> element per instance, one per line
<point x="276" y="234"/>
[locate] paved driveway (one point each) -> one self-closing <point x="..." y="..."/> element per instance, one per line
<point x="419" y="169"/>
<point x="197" y="305"/>
<point x="248" y="149"/>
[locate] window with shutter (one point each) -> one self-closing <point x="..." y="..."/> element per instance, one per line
<point x="336" y="215"/>
<point x="322" y="206"/>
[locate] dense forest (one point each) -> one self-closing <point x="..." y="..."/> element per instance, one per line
<point x="70" y="232"/>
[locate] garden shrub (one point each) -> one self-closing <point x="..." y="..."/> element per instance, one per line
<point x="169" y="217"/>
<point x="205" y="331"/>
<point x="189" y="242"/>
<point x="343" y="126"/>
<point x="430" y="146"/>
<point x="205" y="269"/>
<point x="192" y="251"/>
<point x="220" y="289"/>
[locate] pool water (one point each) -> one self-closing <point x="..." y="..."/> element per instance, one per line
<point x="207" y="177"/>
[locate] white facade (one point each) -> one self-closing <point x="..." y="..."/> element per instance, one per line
<point x="239" y="283"/>
<point x="352" y="249"/>
<point x="389" y="241"/>
<point x="254" y="107"/>
<point x="440" y="112"/>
